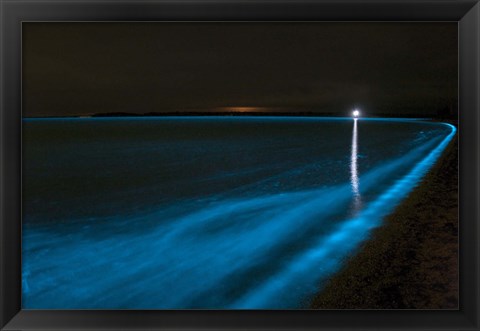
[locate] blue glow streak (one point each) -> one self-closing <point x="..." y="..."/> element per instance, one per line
<point x="229" y="253"/>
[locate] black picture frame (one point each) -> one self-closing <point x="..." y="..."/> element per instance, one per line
<point x="14" y="12"/>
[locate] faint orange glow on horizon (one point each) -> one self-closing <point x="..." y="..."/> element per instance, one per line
<point x="242" y="109"/>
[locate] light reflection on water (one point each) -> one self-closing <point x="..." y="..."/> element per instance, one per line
<point x="353" y="169"/>
<point x="269" y="250"/>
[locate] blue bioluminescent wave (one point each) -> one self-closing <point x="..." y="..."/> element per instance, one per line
<point x="329" y="251"/>
<point x="231" y="213"/>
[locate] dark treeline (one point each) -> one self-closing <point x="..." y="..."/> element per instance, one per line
<point x="443" y="114"/>
<point x="439" y="115"/>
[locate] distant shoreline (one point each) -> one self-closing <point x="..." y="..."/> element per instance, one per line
<point x="244" y="114"/>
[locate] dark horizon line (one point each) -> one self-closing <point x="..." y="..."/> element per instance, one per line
<point x="246" y="113"/>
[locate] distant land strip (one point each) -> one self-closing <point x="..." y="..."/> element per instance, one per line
<point x="252" y="113"/>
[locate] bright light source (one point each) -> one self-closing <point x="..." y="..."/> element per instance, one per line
<point x="356" y="113"/>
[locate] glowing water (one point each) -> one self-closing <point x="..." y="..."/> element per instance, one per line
<point x="207" y="212"/>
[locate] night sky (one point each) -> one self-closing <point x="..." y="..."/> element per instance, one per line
<point x="390" y="68"/>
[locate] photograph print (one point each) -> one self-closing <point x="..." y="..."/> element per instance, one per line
<point x="240" y="165"/>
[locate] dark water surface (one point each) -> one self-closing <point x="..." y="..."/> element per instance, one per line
<point x="207" y="212"/>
